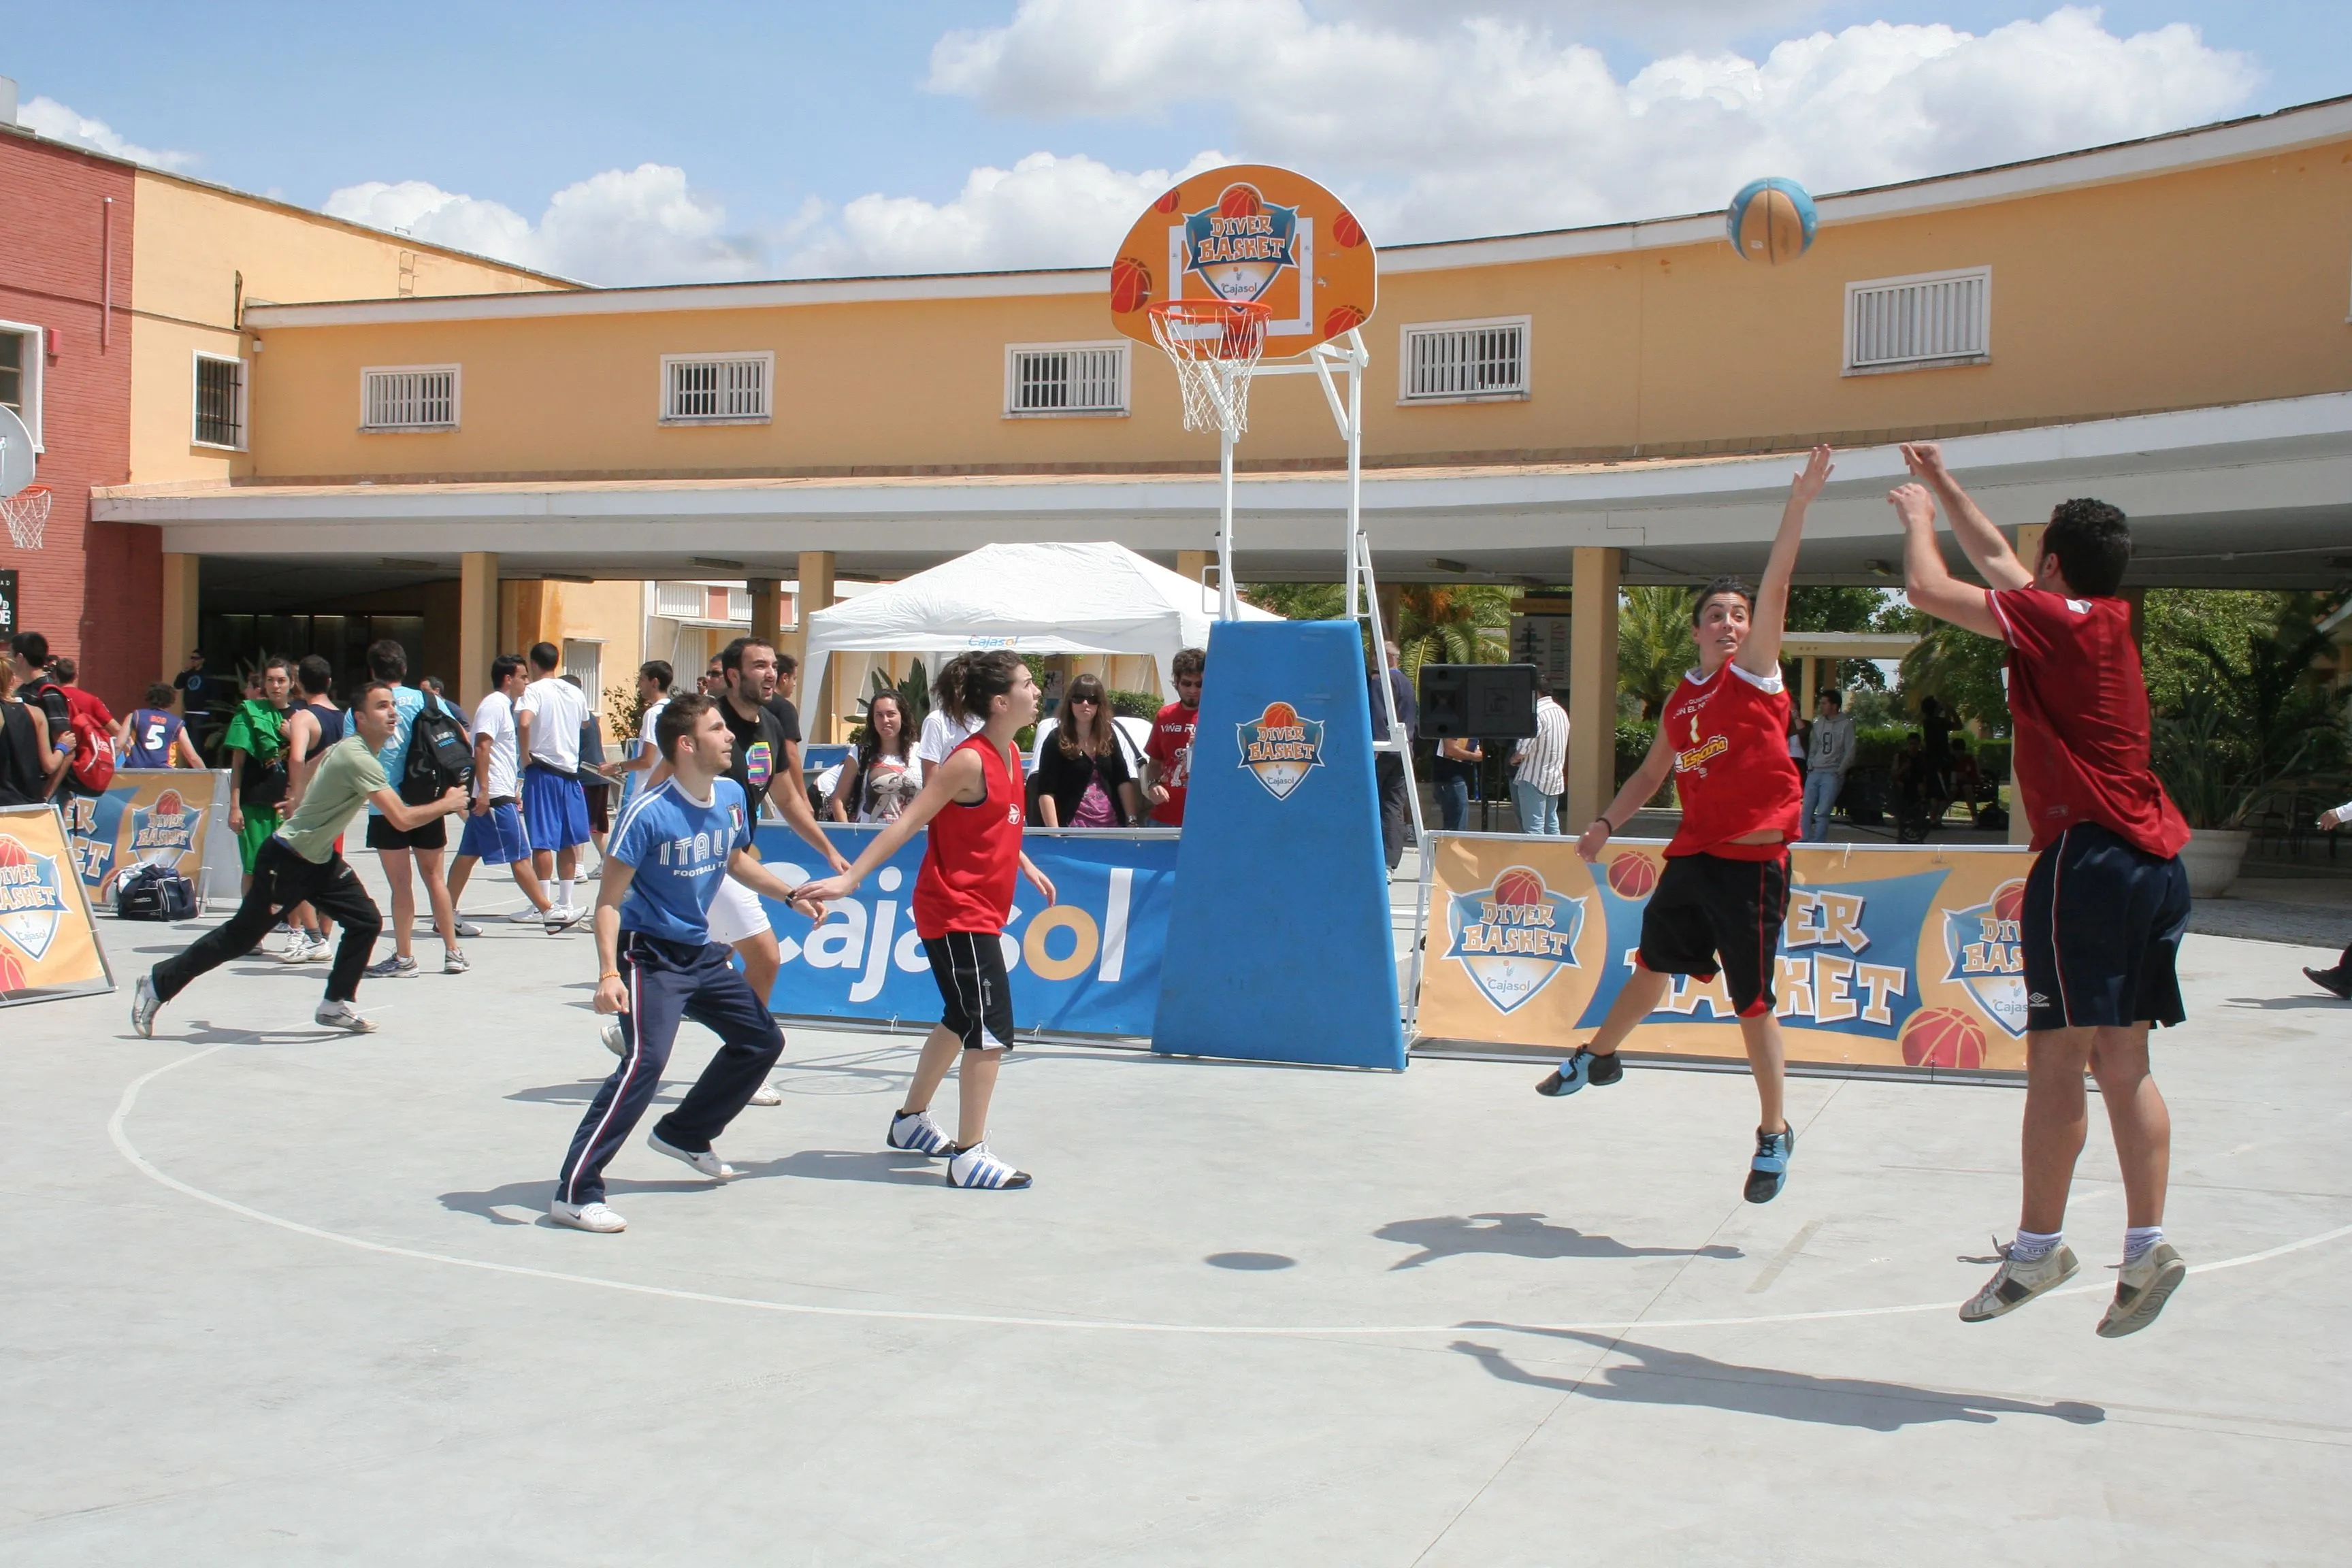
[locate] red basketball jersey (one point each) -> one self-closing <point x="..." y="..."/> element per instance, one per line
<point x="2079" y="699"/>
<point x="1732" y="769"/>
<point x="974" y="854"/>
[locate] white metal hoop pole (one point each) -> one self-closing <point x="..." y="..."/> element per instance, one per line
<point x="1228" y="601"/>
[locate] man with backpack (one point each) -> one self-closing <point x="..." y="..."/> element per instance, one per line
<point x="417" y="761"/>
<point x="80" y="724"/>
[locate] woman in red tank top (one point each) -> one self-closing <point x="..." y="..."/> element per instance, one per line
<point x="1723" y="737"/>
<point x="973" y="804"/>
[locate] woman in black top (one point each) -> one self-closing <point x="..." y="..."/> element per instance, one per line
<point x="1083" y="778"/>
<point x="26" y="770"/>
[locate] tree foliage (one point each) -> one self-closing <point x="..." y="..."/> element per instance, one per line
<point x="1655" y="645"/>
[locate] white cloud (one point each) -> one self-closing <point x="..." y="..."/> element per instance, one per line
<point x="645" y="225"/>
<point x="1490" y="123"/>
<point x="59" y="123"/>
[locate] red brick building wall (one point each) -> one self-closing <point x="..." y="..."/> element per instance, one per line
<point x="94" y="590"/>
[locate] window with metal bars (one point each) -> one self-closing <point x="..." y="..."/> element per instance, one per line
<point x="220" y="402"/>
<point x="1049" y="379"/>
<point x="717" y="389"/>
<point x="409" y="398"/>
<point x="1459" y="361"/>
<point x="1918" y="322"/>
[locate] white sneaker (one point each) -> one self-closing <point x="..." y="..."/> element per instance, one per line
<point x="614" y="1041"/>
<point x="976" y="1167"/>
<point x="765" y="1095"/>
<point x="707" y="1162"/>
<point x="2141" y="1291"/>
<point x="454" y="961"/>
<point x="527" y="916"/>
<point x="320" y="950"/>
<point x="597" y="1216"/>
<point x="144" y="1005"/>
<point x="343" y="1015"/>
<point x="560" y="919"/>
<point x="296" y="949"/>
<point x="916" y="1133"/>
<point x="467" y="931"/>
<point x="2015" y="1283"/>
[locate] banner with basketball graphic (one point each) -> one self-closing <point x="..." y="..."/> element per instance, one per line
<point x="1889" y="957"/>
<point x="147" y="816"/>
<point x="1248" y="232"/>
<point x="48" y="943"/>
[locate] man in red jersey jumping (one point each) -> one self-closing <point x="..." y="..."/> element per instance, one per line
<point x="1724" y="735"/>
<point x="2106" y="900"/>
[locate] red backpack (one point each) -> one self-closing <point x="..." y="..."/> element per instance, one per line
<point x="92" y="728"/>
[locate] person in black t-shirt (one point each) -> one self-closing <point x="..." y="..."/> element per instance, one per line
<point x="1454" y="770"/>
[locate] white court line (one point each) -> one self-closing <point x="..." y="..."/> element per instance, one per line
<point x="114" y="1130"/>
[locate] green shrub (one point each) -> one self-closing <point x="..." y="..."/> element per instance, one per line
<point x="1136" y="704"/>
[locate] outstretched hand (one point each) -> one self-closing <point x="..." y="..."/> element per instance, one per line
<point x="1913" y="505"/>
<point x="1818" y="468"/>
<point x="827" y="890"/>
<point x="1925" y="461"/>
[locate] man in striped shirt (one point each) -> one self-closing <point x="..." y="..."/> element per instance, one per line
<point x="1542" y="775"/>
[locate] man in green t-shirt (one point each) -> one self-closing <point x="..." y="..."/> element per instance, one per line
<point x="298" y="864"/>
<point x="255" y="743"/>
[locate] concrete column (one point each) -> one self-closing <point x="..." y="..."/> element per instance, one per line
<point x="477" y="625"/>
<point x="817" y="706"/>
<point x="2020" y="828"/>
<point x="1195" y="564"/>
<point x="768" y="610"/>
<point x="180" y="616"/>
<point x="1810" y="686"/>
<point x="1592" y="687"/>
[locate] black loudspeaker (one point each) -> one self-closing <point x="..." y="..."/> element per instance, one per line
<point x="1494" y="701"/>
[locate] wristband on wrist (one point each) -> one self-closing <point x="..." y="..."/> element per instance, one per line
<point x="608" y="975"/>
<point x="1603" y="820"/>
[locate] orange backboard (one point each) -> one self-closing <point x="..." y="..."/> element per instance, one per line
<point x="1249" y="231"/>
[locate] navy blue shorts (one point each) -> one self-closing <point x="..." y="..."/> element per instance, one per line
<point x="2101" y="927"/>
<point x="497" y="835"/>
<point x="555" y="807"/>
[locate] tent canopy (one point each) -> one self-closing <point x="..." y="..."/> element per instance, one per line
<point x="1031" y="598"/>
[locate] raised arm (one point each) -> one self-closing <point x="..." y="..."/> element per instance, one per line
<point x="1980" y="542"/>
<point x="1926" y="581"/>
<point x="1760" y="653"/>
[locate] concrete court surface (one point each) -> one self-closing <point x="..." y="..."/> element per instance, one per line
<point x="276" y="1295"/>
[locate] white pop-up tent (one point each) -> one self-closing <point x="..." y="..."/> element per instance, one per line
<point x="1031" y="598"/>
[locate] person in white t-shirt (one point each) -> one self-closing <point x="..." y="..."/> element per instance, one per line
<point x="548" y="716"/>
<point x="653" y="677"/>
<point x="494" y="828"/>
<point x="941" y="734"/>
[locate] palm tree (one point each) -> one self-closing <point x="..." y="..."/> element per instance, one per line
<point x="1446" y="623"/>
<point x="1655" y="645"/>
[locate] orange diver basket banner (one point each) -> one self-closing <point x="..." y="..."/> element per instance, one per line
<point x="48" y="941"/>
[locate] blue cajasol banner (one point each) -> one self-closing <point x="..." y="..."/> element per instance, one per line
<point x="1088" y="965"/>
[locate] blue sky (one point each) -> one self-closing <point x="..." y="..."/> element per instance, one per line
<point x="642" y="143"/>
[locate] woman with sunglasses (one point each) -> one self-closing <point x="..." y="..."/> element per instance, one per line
<point x="1084" y="778"/>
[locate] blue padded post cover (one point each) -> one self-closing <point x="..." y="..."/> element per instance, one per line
<point x="1279" y="947"/>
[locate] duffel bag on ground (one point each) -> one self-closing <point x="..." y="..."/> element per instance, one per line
<point x="155" y="893"/>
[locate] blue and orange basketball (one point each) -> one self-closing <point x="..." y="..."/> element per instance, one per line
<point x="1942" y="1037"/>
<point x="1772" y="221"/>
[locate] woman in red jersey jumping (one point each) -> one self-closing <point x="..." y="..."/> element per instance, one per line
<point x="1724" y="737"/>
<point x="973" y="805"/>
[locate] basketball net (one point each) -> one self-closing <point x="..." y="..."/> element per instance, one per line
<point x="1215" y="345"/>
<point x="27" y="512"/>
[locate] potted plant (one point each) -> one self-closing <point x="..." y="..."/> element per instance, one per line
<point x="2217" y="770"/>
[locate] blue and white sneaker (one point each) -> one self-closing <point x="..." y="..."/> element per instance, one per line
<point x="393" y="968"/>
<point x="1580" y="1070"/>
<point x="916" y="1133"/>
<point x="1769" y="1171"/>
<point x="976" y="1167"/>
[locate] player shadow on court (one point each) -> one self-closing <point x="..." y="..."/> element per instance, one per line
<point x="1518" y="1235"/>
<point x="2285" y="1004"/>
<point x="822" y="1164"/>
<point x="585" y="1089"/>
<point x="205" y="1032"/>
<point x="1679" y="1378"/>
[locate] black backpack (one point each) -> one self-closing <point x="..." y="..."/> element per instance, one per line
<point x="154" y="893"/>
<point x="439" y="756"/>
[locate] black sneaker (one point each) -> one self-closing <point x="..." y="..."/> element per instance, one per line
<point x="1769" y="1171"/>
<point x="2335" y="982"/>
<point x="1580" y="1070"/>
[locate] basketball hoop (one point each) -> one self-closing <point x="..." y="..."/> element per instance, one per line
<point x="1215" y="345"/>
<point x="27" y="512"/>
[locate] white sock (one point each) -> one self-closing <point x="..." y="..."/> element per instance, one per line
<point x="2032" y="1246"/>
<point x="2138" y="1239"/>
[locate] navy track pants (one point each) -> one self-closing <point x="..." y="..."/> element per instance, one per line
<point x="669" y="982"/>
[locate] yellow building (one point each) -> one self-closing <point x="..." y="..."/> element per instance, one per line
<point x="2162" y="322"/>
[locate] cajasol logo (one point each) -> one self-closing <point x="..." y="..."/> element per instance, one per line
<point x="1981" y="943"/>
<point x="32" y="896"/>
<point x="1281" y="748"/>
<point x="1513" y="935"/>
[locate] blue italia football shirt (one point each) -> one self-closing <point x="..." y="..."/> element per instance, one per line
<point x="677" y="848"/>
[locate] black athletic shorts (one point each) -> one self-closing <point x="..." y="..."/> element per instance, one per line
<point x="382" y="834"/>
<point x="1711" y="914"/>
<point x="973" y="989"/>
<point x="2101" y="928"/>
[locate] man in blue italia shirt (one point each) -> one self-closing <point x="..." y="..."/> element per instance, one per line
<point x="658" y="964"/>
